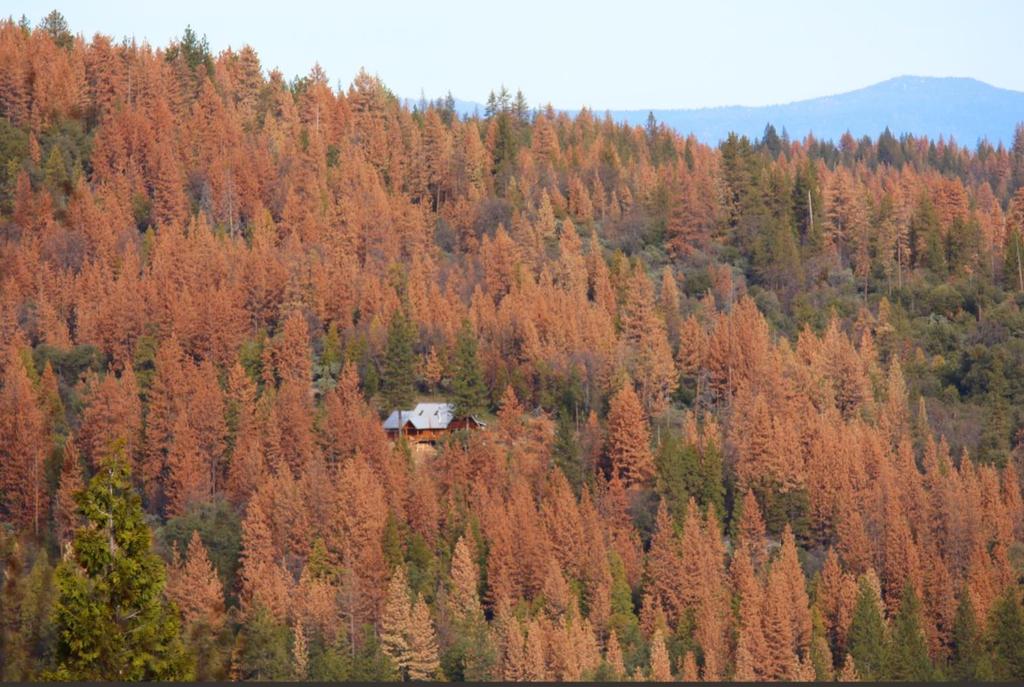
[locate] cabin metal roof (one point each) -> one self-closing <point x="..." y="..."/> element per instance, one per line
<point x="424" y="416"/>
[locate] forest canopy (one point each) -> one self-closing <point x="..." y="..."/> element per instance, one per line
<point x="753" y="411"/>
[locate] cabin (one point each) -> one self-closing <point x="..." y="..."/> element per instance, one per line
<point x="428" y="423"/>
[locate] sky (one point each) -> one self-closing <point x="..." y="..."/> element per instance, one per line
<point x="604" y="55"/>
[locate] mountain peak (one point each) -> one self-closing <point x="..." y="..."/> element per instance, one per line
<point x="914" y="81"/>
<point x="963" y="108"/>
<point x="959" y="107"/>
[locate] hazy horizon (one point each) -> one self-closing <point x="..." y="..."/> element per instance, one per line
<point x="413" y="100"/>
<point x="572" y="55"/>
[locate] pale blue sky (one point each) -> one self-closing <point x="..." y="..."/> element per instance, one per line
<point x="607" y="55"/>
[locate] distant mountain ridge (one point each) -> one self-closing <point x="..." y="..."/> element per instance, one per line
<point x="962" y="108"/>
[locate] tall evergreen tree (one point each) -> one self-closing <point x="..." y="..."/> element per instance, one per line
<point x="744" y="196"/>
<point x="262" y="648"/>
<point x="866" y="638"/>
<point x="567" y="452"/>
<point x="776" y="257"/>
<point x="57" y="26"/>
<point x="967" y="659"/>
<point x="808" y="207"/>
<point x="26" y="624"/>
<point x="929" y="250"/>
<point x="820" y="653"/>
<point x="469" y="394"/>
<point x="1006" y="638"/>
<point x="994" y="446"/>
<point x="906" y="652"/>
<point x="685" y="470"/>
<point x="113" y="622"/>
<point x="1013" y="268"/>
<point x="399" y="370"/>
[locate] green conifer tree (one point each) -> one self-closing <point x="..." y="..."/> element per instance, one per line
<point x="331" y="360"/>
<point x="331" y="662"/>
<point x="1013" y="267"/>
<point x="968" y="659"/>
<point x="685" y="470"/>
<point x="346" y="660"/>
<point x="623" y="619"/>
<point x="26" y="625"/>
<point x="820" y="652"/>
<point x="371" y="664"/>
<point x="262" y="648"/>
<point x="929" y="250"/>
<point x="399" y="373"/>
<point x="112" y="620"/>
<point x="994" y="445"/>
<point x="55" y="174"/>
<point x="866" y="639"/>
<point x="808" y="207"/>
<point x="1006" y="638"/>
<point x="567" y="453"/>
<point x="906" y="652"/>
<point x="469" y="394"/>
<point x="57" y="26"/>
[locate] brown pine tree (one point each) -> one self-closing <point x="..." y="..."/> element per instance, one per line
<point x="650" y="358"/>
<point x="23" y="443"/>
<point x="746" y="668"/>
<point x="661" y="670"/>
<point x="688" y="673"/>
<point x="781" y="660"/>
<point x="628" y="443"/>
<point x="750" y="533"/>
<point x="663" y="563"/>
<point x="291" y="354"/>
<point x="852" y="543"/>
<point x="72" y="481"/>
<point x="207" y="416"/>
<point x="465" y="575"/>
<point x="535" y="664"/>
<point x="188" y="473"/>
<point x="687" y="225"/>
<point x="170" y="205"/>
<point x="166" y="398"/>
<point x="613" y="655"/>
<point x="836" y="595"/>
<point x="509" y="635"/>
<point x="668" y="305"/>
<point x="396" y="619"/>
<point x="300" y="653"/>
<point x="900" y="561"/>
<point x="751" y="647"/>
<point x="262" y="580"/>
<point x="355" y="542"/>
<point x="510" y="412"/>
<point x="848" y="673"/>
<point x="193" y="585"/>
<point x="113" y="413"/>
<point x="247" y="468"/>
<point x="422" y="661"/>
<point x="294" y="410"/>
<point x="788" y="567"/>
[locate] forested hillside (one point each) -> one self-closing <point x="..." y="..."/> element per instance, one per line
<point x="753" y="411"/>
